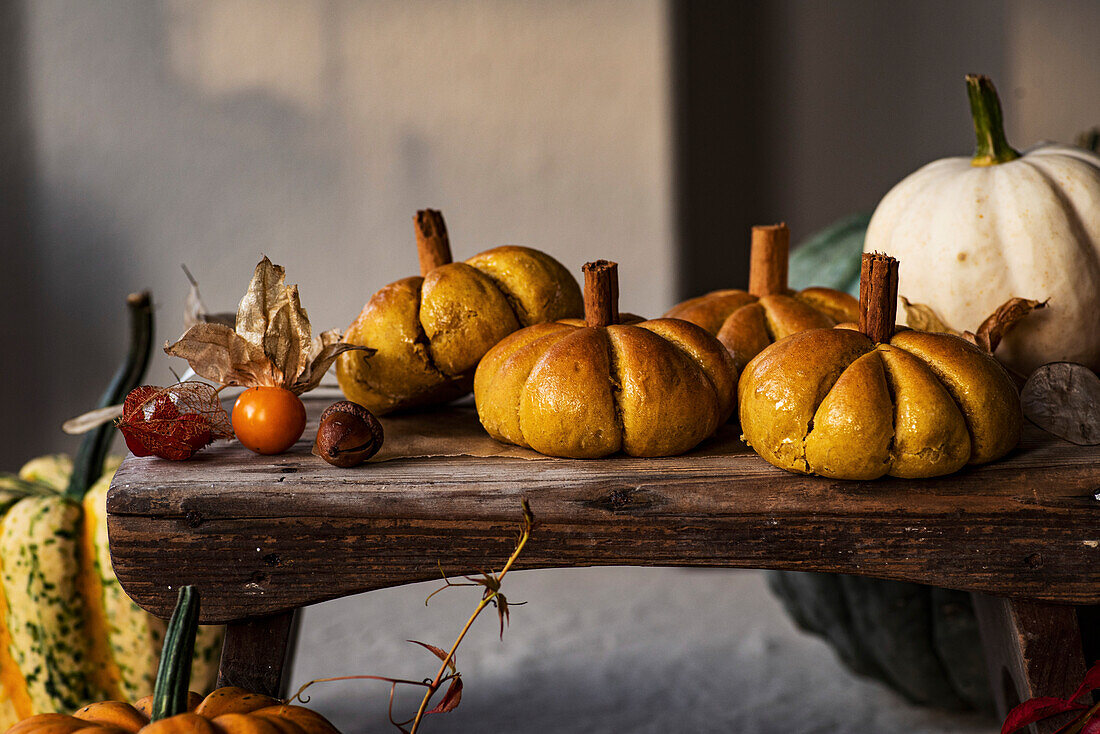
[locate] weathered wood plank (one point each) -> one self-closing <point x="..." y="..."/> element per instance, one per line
<point x="1032" y="650"/>
<point x="260" y="535"/>
<point x="257" y="651"/>
<point x="258" y="566"/>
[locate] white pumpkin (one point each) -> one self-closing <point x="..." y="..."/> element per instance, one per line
<point x="974" y="232"/>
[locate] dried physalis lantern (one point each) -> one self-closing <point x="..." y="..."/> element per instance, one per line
<point x="858" y="404"/>
<point x="592" y="388"/>
<point x="173" y="422"/>
<point x="270" y="352"/>
<point x="747" y="321"/>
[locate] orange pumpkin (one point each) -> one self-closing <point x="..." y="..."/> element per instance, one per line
<point x="174" y="710"/>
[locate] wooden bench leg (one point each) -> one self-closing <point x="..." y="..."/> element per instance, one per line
<point x="1031" y="650"/>
<point x="256" y="652"/>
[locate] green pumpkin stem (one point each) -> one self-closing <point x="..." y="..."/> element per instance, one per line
<point x="174" y="672"/>
<point x="989" y="124"/>
<point x="88" y="465"/>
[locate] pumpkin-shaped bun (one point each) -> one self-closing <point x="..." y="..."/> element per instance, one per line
<point x="748" y="321"/>
<point x="839" y="403"/>
<point x="655" y="388"/>
<point x="428" y="333"/>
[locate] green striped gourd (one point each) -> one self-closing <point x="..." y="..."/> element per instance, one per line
<point x="68" y="633"/>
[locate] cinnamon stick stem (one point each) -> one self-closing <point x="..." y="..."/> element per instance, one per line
<point x="878" y="296"/>
<point x="601" y="293"/>
<point x="432" y="245"/>
<point x="768" y="260"/>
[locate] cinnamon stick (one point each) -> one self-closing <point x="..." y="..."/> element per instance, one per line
<point x="432" y="245"/>
<point x="878" y="296"/>
<point x="601" y="293"/>
<point x="768" y="259"/>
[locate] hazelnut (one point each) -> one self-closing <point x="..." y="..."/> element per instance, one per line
<point x="348" y="435"/>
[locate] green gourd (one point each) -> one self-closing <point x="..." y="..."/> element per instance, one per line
<point x="830" y="258"/>
<point x="68" y="633"/>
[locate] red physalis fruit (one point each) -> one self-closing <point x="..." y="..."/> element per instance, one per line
<point x="173" y="422"/>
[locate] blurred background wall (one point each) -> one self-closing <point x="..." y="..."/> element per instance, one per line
<point x="140" y="135"/>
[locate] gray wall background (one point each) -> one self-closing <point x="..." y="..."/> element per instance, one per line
<point x="138" y="136"/>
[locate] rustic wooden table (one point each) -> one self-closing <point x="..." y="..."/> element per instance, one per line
<point x="264" y="536"/>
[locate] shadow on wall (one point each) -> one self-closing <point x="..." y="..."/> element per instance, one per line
<point x="310" y="130"/>
<point x="105" y="178"/>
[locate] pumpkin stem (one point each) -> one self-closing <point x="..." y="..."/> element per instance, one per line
<point x="174" y="671"/>
<point x="433" y="247"/>
<point x="989" y="125"/>
<point x="601" y="293"/>
<point x="93" y="449"/>
<point x="878" y="296"/>
<point x="768" y="260"/>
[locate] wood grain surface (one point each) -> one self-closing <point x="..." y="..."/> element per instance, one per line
<point x="260" y="535"/>
<point x="1032" y="650"/>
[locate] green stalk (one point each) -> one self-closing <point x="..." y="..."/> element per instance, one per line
<point x="174" y="672"/>
<point x="989" y="124"/>
<point x="88" y="465"/>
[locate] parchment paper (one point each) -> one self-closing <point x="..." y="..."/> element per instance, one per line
<point x="455" y="430"/>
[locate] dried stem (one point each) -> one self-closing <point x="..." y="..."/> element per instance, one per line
<point x="768" y="260"/>
<point x="601" y="293"/>
<point x="432" y="245"/>
<point x="878" y="296"/>
<point x="489" y="598"/>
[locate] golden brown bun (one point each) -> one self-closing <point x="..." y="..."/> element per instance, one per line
<point x="538" y="287"/>
<point x="655" y="389"/>
<point x="978" y="383"/>
<point x="400" y="372"/>
<point x="710" y="311"/>
<point x="502" y="372"/>
<point x="746" y="324"/>
<point x="829" y="402"/>
<point x="429" y="333"/>
<point x="780" y="389"/>
<point x="462" y="314"/>
<point x="837" y="305"/>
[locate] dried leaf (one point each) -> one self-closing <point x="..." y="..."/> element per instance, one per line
<point x="922" y="318"/>
<point x="1044" y="707"/>
<point x="438" y="652"/>
<point x="1090" y="683"/>
<point x="322" y="340"/>
<point x="194" y="310"/>
<point x="287" y="342"/>
<point x="1063" y="398"/>
<point x="92" y="419"/>
<point x="260" y="302"/>
<point x="319" y="365"/>
<point x="1037" y="709"/>
<point x="267" y="342"/>
<point x="502" y="612"/>
<point x="450" y="699"/>
<point x="173" y="422"/>
<point x="219" y="354"/>
<point x="1001" y="321"/>
<point x="271" y="317"/>
<point x="992" y="330"/>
